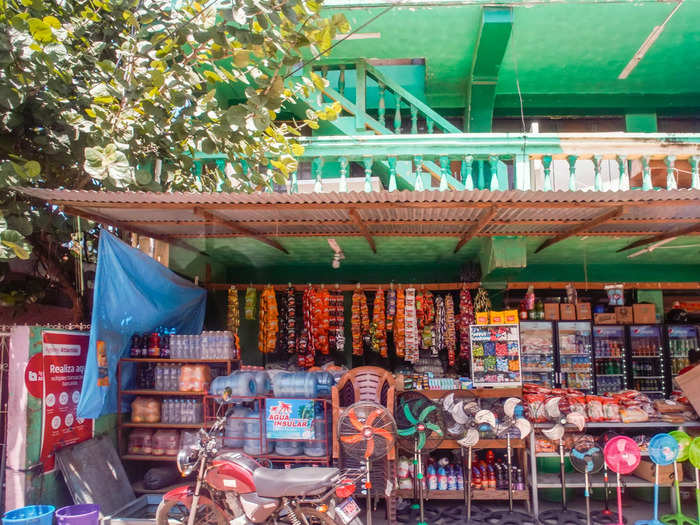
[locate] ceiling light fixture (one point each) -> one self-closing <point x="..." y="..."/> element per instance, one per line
<point x="357" y="36"/>
<point x="653" y="36"/>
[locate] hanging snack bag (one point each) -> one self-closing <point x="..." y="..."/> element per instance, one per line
<point x="251" y="302"/>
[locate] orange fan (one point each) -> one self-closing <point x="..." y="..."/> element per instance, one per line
<point x="367" y="431"/>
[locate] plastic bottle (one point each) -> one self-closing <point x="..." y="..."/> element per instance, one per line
<point x="476" y="477"/>
<point x="442" y="478"/>
<point x="431" y="477"/>
<point x="460" y="477"/>
<point x="492" y="475"/>
<point x="520" y="480"/>
<point x="451" y="477"/>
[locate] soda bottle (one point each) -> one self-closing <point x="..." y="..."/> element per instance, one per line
<point x="476" y="477"/>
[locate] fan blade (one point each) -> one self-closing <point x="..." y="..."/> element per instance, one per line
<point x="421" y="440"/>
<point x="352" y="439"/>
<point x="352" y="416"/>
<point x="409" y="416"/>
<point x="388" y="436"/>
<point x="577" y="419"/>
<point x="555" y="433"/>
<point x="524" y="426"/>
<point x="470" y="439"/>
<point x="551" y="408"/>
<point x="434" y="428"/>
<point x="470" y="408"/>
<point x="373" y="416"/>
<point x="427" y="410"/>
<point x="485" y="417"/>
<point x="406" y="431"/>
<point x="509" y="406"/>
<point x="459" y="415"/>
<point x="370" y="449"/>
<point x="448" y="402"/>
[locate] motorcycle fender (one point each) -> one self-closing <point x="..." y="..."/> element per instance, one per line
<point x="184" y="495"/>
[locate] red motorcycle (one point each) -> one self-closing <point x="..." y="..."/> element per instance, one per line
<point x="232" y="488"/>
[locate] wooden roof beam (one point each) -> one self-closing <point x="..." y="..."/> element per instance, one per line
<point x="600" y="219"/>
<point x="134" y="229"/>
<point x="662" y="236"/>
<point x="362" y="226"/>
<point x="236" y="227"/>
<point x="479" y="225"/>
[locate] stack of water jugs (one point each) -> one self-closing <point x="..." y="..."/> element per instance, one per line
<point x="245" y="425"/>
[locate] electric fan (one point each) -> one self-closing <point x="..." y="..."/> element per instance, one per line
<point x="605" y="516"/>
<point x="663" y="450"/>
<point x="367" y="432"/>
<point x="559" y="412"/>
<point x="420" y="429"/>
<point x="679" y="518"/>
<point x="622" y="456"/>
<point x="694" y="457"/>
<point x="587" y="458"/>
<point x="463" y="420"/>
<point x="511" y="423"/>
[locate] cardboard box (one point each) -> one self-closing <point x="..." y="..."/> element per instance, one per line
<point x="689" y="383"/>
<point x="510" y="317"/>
<point x="567" y="312"/>
<point x="644" y="313"/>
<point x="496" y="317"/>
<point x="551" y="311"/>
<point x="646" y="470"/>
<point x="624" y="315"/>
<point x="482" y="317"/>
<point x="583" y="311"/>
<point x="604" y="319"/>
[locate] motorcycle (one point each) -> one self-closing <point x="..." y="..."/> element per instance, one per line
<point x="232" y="488"/>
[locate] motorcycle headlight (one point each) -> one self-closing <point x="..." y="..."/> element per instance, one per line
<point x="186" y="461"/>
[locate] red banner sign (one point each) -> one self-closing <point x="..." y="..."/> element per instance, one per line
<point x="65" y="354"/>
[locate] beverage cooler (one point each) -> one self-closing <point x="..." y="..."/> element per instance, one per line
<point x="575" y="355"/>
<point x="647" y="370"/>
<point x="681" y="339"/>
<point x="609" y="351"/>
<point x="537" y="352"/>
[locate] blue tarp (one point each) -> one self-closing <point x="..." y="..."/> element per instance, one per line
<point x="134" y="294"/>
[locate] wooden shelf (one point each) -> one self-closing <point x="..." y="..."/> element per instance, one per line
<point x="169" y="360"/>
<point x="147" y="392"/>
<point x="147" y="457"/>
<point x="484" y="443"/>
<point x="459" y="495"/>
<point x="162" y="425"/>
<point x="482" y="393"/>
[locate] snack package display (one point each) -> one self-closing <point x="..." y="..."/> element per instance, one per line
<point x="594" y="407"/>
<point x="145" y="410"/>
<point x="194" y="378"/>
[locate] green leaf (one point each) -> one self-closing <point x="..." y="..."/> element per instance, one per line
<point x="16" y="243"/>
<point x="32" y="169"/>
<point x="143" y="177"/>
<point x="241" y="58"/>
<point x="40" y="30"/>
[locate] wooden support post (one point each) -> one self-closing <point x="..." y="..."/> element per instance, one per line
<point x="671" y="183"/>
<point x="360" y="94"/>
<point x="646" y="174"/>
<point x="547" y="165"/>
<point x="414" y="120"/>
<point x="493" y="167"/>
<point x="392" y="173"/>
<point x="571" y="159"/>
<point x="481" y="176"/>
<point x="624" y="180"/>
<point x="430" y="125"/>
<point x="418" y="161"/>
<point x="341" y="81"/>
<point x="603" y="218"/>
<point x="343" y="184"/>
<point x="522" y="171"/>
<point x="236" y="227"/>
<point x="467" y="179"/>
<point x="293" y="184"/>
<point x="381" y="108"/>
<point x="479" y="225"/>
<point x="695" y="167"/>
<point x="367" y="163"/>
<point x="317" y="166"/>
<point x="355" y="217"/>
<point x="597" y="181"/>
<point x="444" y="172"/>
<point x="397" y="115"/>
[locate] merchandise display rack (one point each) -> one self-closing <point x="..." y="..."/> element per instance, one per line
<point x="538" y="480"/>
<point x="123" y="424"/>
<point x="211" y="404"/>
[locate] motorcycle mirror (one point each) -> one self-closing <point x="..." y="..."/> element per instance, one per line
<point x="226" y="394"/>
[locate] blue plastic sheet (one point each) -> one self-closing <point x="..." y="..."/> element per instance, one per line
<point x="133" y="294"/>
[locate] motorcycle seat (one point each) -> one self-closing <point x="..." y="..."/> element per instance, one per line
<point x="303" y="481"/>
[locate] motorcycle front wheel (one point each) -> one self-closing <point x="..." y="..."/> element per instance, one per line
<point x="170" y="511"/>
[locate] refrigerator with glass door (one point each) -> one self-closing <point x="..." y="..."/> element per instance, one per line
<point x="609" y="353"/>
<point x="647" y="368"/>
<point x="537" y="352"/>
<point x="576" y="355"/>
<point x="681" y="339"/>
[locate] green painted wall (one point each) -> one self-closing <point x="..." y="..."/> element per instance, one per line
<point x="50" y="488"/>
<point x="641" y="122"/>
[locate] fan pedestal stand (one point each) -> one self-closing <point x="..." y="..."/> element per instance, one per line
<point x="368" y="488"/>
<point x="655" y="519"/>
<point x="678" y="518"/>
<point x="563" y="516"/>
<point x="510" y="516"/>
<point x="606" y="516"/>
<point x="467" y="515"/>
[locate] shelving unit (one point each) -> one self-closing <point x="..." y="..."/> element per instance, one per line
<point x="539" y="480"/>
